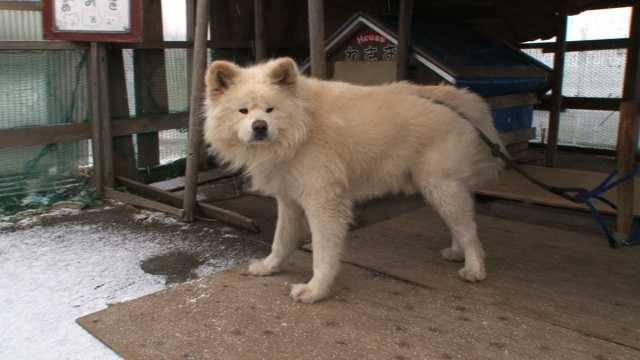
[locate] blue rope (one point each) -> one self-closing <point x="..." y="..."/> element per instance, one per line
<point x="586" y="196"/>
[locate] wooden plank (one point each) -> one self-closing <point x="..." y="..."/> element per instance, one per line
<point x="21" y="5"/>
<point x="195" y="109"/>
<point x="586" y="103"/>
<point x="507" y="101"/>
<point x="53" y="134"/>
<point x="316" y="39"/>
<point x="260" y="30"/>
<point x="206" y="210"/>
<point x="150" y="83"/>
<point x="513" y="186"/>
<point x="628" y="125"/>
<point x="124" y="156"/>
<point x="42" y="45"/>
<point x="203" y="177"/>
<point x="95" y="100"/>
<point x="370" y="317"/>
<point x="556" y="93"/>
<point x="139" y="201"/>
<point x="405" y="15"/>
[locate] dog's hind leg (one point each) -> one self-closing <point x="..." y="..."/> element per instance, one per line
<point x="454" y="202"/>
<point x="329" y="222"/>
<point x="289" y="231"/>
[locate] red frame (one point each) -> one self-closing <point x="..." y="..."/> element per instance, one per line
<point x="134" y="34"/>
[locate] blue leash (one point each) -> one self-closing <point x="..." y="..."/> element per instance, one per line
<point x="581" y="195"/>
<point x="585" y="197"/>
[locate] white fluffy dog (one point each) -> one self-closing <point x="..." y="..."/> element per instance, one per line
<point x="318" y="146"/>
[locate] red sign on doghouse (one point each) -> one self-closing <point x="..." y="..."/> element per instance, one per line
<point x="369" y="46"/>
<point x="92" y="20"/>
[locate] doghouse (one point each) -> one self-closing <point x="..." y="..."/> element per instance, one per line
<point x="363" y="51"/>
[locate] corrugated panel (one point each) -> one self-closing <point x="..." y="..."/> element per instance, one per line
<point x="20" y="25"/>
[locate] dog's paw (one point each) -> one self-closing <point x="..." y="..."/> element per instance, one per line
<point x="451" y="254"/>
<point x="472" y="274"/>
<point x="259" y="267"/>
<point x="306" y="293"/>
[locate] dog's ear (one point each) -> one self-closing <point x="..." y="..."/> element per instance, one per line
<point x="220" y="76"/>
<point x="284" y="72"/>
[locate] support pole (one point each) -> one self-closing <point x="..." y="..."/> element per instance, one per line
<point x="191" y="22"/>
<point x="97" y="145"/>
<point x="195" y="107"/>
<point x="260" y="30"/>
<point x="628" y="125"/>
<point x="316" y="39"/>
<point x="404" y="38"/>
<point x="556" y="92"/>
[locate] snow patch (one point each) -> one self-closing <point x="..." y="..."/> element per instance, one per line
<point x="155" y="217"/>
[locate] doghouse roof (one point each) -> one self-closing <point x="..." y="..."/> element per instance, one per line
<point x="452" y="51"/>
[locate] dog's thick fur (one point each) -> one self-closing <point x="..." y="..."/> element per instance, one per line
<point x="330" y="144"/>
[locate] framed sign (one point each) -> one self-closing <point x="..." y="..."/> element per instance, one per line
<point x="92" y="20"/>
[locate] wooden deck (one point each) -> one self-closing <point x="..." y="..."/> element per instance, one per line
<point x="550" y="294"/>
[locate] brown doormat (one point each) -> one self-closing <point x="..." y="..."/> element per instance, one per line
<point x="370" y="316"/>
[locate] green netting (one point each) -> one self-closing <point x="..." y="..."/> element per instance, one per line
<point x="40" y="88"/>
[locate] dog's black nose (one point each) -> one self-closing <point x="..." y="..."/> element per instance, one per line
<point x="259" y="127"/>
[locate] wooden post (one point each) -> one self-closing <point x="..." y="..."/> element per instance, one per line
<point x="195" y="113"/>
<point x="404" y="38"/>
<point x="556" y="92"/>
<point x="150" y="82"/>
<point x="316" y="39"/>
<point x="260" y="30"/>
<point x="97" y="145"/>
<point x="628" y="125"/>
<point x="105" y="117"/>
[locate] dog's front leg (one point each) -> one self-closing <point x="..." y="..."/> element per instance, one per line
<point x="289" y="231"/>
<point x="329" y="221"/>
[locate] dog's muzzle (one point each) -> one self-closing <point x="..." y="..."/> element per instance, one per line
<point x="260" y="130"/>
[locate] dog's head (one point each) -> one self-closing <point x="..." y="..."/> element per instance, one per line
<point x="257" y="108"/>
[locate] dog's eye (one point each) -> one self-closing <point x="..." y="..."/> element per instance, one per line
<point x="270" y="109"/>
<point x="244" y="110"/>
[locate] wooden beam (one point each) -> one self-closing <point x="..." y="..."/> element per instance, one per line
<point x="42" y="45"/>
<point x="21" y="5"/>
<point x="556" y="93"/>
<point x="97" y="145"/>
<point x="195" y="107"/>
<point x="583" y="103"/>
<point x="260" y="30"/>
<point x="405" y="15"/>
<point x="207" y="210"/>
<point x="142" y="202"/>
<point x="582" y="45"/>
<point x="628" y="125"/>
<point x="316" y="39"/>
<point x="105" y="117"/>
<point x="124" y="156"/>
<point x="150" y="82"/>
